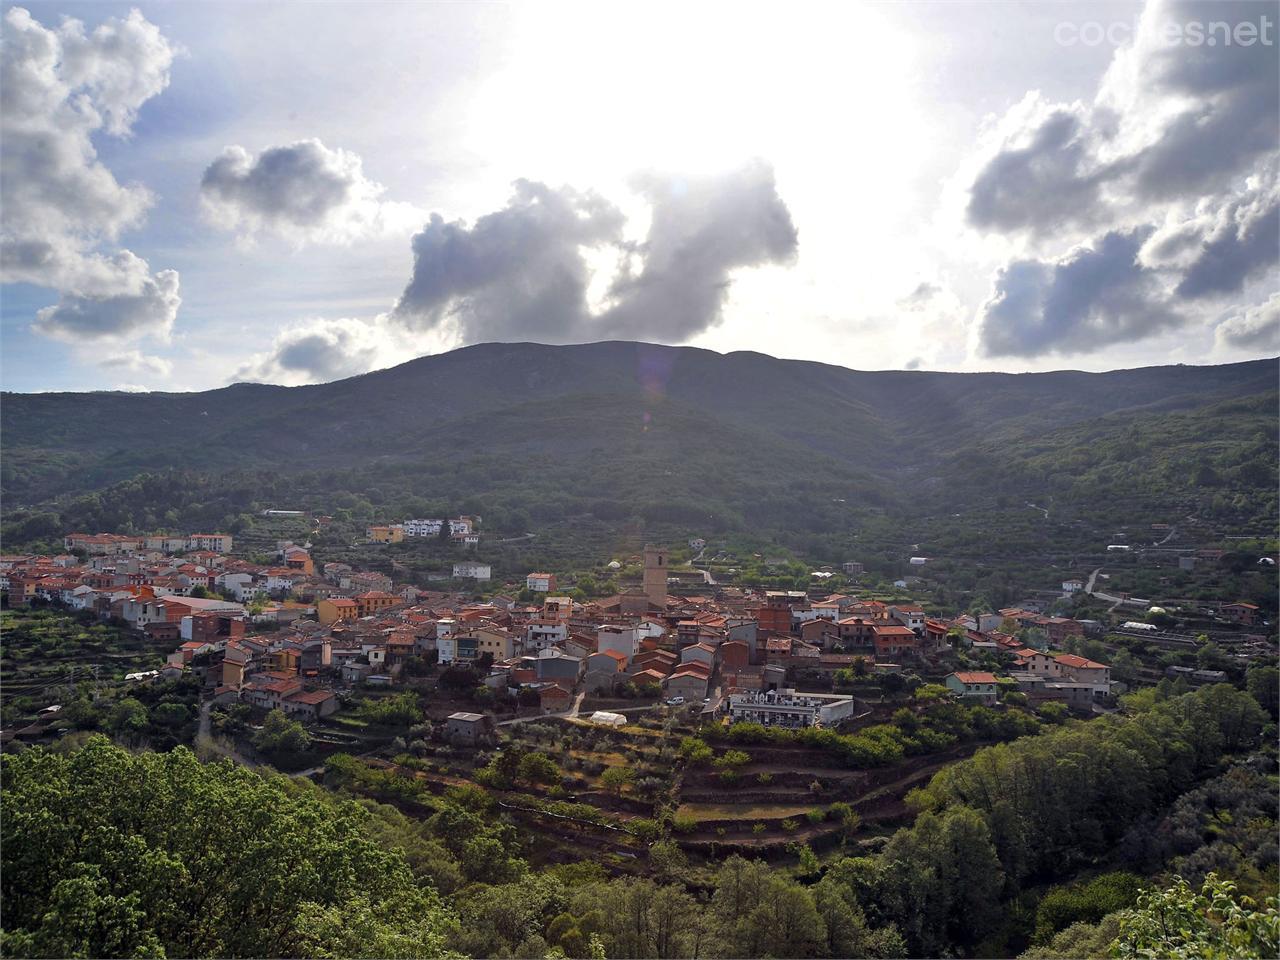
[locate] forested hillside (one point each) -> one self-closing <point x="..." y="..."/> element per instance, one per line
<point x="1076" y="841"/>
<point x="643" y="436"/>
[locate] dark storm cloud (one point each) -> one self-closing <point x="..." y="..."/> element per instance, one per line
<point x="1093" y="297"/>
<point x="1041" y="186"/>
<point x="520" y="272"/>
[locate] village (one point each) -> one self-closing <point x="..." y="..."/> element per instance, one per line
<point x="751" y="719"/>
<point x="288" y="636"/>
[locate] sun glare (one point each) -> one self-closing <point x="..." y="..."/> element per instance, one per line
<point x="593" y="92"/>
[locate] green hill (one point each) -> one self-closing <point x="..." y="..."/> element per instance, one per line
<point x="620" y="438"/>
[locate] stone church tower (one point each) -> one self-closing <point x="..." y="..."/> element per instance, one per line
<point x="655" y="575"/>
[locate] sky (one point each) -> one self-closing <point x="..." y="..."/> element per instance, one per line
<point x="193" y="195"/>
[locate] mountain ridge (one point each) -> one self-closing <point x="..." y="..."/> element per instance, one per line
<point x="715" y="424"/>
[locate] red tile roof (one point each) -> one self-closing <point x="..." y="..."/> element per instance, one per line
<point x="313" y="697"/>
<point x="1071" y="660"/>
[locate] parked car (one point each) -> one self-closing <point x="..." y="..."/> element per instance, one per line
<point x="675" y="701"/>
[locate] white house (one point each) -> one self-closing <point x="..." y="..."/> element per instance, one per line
<point x="909" y="615"/>
<point x="431" y="528"/>
<point x="540" y="582"/>
<point x="281" y="580"/>
<point x="620" y="639"/>
<point x="240" y="586"/>
<point x="82" y="597"/>
<point x="1072" y="586"/>
<point x="649" y="628"/>
<point x="1082" y="670"/>
<point x="446" y="648"/>
<point x="469" y="570"/>
<point x="786" y="708"/>
<point x="539" y="634"/>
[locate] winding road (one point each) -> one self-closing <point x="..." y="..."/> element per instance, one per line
<point x="570" y="714"/>
<point x="1104" y="597"/>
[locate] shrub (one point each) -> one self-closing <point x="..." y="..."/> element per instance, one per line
<point x="695" y="750"/>
<point x="731" y="760"/>
<point x="646" y="830"/>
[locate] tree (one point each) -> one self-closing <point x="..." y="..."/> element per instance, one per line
<point x="1124" y="666"/>
<point x="280" y="735"/>
<point x="99" y="859"/>
<point x="667" y="860"/>
<point x="944" y="880"/>
<point x="892" y="684"/>
<point x="1215" y="923"/>
<point x="695" y="750"/>
<point x="401" y="710"/>
<point x="128" y="717"/>
<point x="847" y="817"/>
<point x="787" y="923"/>
<point x="615" y="779"/>
<point x="847" y="931"/>
<point x="1087" y="902"/>
<point x="537" y="768"/>
<point x="1263" y="684"/>
<point x="1210" y="657"/>
<point x="171" y="714"/>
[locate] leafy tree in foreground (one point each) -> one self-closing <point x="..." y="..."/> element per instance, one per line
<point x="1213" y="924"/>
<point x="106" y="853"/>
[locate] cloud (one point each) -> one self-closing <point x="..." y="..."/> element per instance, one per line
<point x="1216" y="104"/>
<point x="1047" y="182"/>
<point x="321" y="350"/>
<point x="151" y="311"/>
<point x="136" y="362"/>
<point x="1094" y="296"/>
<point x="1243" y="240"/>
<point x="57" y="89"/>
<point x="1171" y="122"/>
<point x="523" y="272"/>
<point x="701" y="231"/>
<point x="1178" y="146"/>
<point x="919" y="298"/>
<point x="518" y="272"/>
<point x="303" y="191"/>
<point x="1255" y="328"/>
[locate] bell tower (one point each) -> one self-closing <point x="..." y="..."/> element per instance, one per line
<point x="655" y="575"/>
